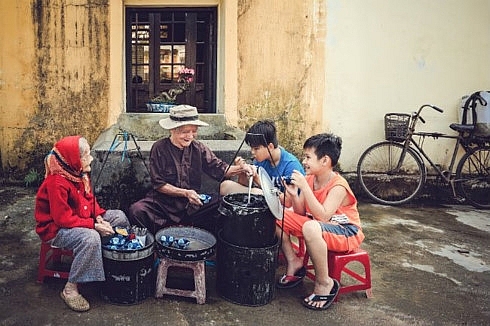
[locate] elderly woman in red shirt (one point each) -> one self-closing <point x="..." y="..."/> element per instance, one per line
<point x="68" y="215"/>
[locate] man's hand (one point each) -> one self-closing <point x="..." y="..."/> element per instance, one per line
<point x="193" y="197"/>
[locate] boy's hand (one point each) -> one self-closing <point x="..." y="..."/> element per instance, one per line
<point x="297" y="179"/>
<point x="250" y="170"/>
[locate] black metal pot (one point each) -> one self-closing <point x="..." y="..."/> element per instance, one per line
<point x="247" y="224"/>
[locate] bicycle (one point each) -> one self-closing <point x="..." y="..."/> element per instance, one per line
<point x="393" y="172"/>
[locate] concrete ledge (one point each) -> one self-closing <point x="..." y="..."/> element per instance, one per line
<point x="144" y="126"/>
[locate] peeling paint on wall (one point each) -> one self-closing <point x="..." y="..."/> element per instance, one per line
<point x="70" y="77"/>
<point x="281" y="50"/>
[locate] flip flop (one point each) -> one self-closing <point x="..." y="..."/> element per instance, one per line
<point x="329" y="299"/>
<point x="290" y="281"/>
<point x="77" y="303"/>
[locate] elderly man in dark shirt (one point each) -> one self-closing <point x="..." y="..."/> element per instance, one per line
<point x="177" y="163"/>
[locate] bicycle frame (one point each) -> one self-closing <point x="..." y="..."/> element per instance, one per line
<point x="417" y="146"/>
<point x="420" y="151"/>
<point x="395" y="170"/>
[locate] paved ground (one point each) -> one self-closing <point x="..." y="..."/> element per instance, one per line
<point x="430" y="266"/>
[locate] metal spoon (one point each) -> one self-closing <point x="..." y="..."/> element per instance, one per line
<point x="250" y="181"/>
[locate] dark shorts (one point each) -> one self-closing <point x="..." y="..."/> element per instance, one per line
<point x="339" y="237"/>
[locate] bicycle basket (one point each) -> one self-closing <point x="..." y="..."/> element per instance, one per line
<point x="396" y="126"/>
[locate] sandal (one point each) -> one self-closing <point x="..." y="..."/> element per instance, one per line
<point x="329" y="298"/>
<point x="290" y="281"/>
<point x="77" y="303"/>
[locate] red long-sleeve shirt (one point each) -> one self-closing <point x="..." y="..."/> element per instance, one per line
<point x="61" y="203"/>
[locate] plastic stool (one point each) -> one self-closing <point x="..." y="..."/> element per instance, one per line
<point x="198" y="268"/>
<point x="337" y="263"/>
<point x="49" y="257"/>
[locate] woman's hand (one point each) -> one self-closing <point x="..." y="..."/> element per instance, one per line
<point x="104" y="228"/>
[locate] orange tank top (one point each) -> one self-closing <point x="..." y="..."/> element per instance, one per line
<point x="321" y="194"/>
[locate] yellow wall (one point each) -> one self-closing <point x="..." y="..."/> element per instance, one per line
<point x="281" y="49"/>
<point x="54" y="64"/>
<point x="393" y="56"/>
<point x="342" y="64"/>
<point x="17" y="69"/>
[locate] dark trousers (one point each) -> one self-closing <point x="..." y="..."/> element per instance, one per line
<point x="149" y="214"/>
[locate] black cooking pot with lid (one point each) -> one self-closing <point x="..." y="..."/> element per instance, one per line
<point x="248" y="224"/>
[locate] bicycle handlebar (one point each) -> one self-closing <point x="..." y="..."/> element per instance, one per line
<point x="419" y="117"/>
<point x="431" y="106"/>
<point x="437" y="109"/>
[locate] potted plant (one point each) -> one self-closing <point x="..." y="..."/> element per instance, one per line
<point x="165" y="100"/>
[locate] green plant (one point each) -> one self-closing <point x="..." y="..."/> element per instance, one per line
<point x="287" y="113"/>
<point x="32" y="178"/>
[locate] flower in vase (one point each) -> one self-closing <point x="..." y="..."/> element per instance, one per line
<point x="186" y="76"/>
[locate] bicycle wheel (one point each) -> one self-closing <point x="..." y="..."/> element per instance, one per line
<point x="473" y="177"/>
<point x="381" y="179"/>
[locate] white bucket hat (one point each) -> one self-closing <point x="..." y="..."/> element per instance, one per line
<point x="182" y="115"/>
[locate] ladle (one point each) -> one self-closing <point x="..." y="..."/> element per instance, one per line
<point x="250" y="181"/>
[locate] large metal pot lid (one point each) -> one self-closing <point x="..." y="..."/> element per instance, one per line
<point x="271" y="194"/>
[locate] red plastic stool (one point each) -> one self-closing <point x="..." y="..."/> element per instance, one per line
<point x="337" y="263"/>
<point x="49" y="259"/>
<point x="197" y="267"/>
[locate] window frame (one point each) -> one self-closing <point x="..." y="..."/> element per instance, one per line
<point x="202" y="93"/>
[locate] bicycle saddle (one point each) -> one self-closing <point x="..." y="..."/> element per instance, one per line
<point x="462" y="128"/>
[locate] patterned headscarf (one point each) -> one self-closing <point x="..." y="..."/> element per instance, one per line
<point x="64" y="159"/>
